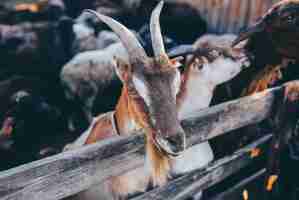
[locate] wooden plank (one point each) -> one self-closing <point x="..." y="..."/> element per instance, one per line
<point x="237" y="189"/>
<point x="217" y="120"/>
<point x="71" y="172"/>
<point x="188" y="185"/>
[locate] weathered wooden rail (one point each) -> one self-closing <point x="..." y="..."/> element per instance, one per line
<point x="71" y="172"/>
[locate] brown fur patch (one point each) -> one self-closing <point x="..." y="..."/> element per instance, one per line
<point x="159" y="164"/>
<point x="191" y="64"/>
<point x="263" y="80"/>
<point x="102" y="129"/>
<point x="292" y="91"/>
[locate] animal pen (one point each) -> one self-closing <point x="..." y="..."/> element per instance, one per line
<point x="70" y="172"/>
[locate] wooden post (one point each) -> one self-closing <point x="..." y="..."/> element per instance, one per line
<point x="283" y="122"/>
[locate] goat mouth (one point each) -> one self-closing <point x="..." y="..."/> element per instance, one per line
<point x="245" y="61"/>
<point x="166" y="148"/>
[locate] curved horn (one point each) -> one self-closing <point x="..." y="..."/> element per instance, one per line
<point x="156" y="35"/>
<point x="128" y="39"/>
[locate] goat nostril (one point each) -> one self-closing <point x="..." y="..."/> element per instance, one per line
<point x="174" y="141"/>
<point x="177" y="143"/>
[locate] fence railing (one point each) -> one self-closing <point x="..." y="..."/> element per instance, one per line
<point x="71" y="172"/>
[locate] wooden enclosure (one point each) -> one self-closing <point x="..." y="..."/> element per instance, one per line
<point x="70" y="172"/>
<point x="229" y="16"/>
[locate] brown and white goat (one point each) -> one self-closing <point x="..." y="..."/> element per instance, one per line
<point x="147" y="102"/>
<point x="199" y="97"/>
<point x="214" y="63"/>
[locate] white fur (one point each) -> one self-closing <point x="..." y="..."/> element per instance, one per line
<point x="79" y="142"/>
<point x="223" y="70"/>
<point x="82" y="31"/>
<point x="142" y="89"/>
<point x="177" y="82"/>
<point x="199" y="92"/>
<point x="93" y="69"/>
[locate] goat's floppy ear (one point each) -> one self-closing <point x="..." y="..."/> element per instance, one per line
<point x="123" y="70"/>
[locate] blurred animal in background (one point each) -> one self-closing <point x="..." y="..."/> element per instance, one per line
<point x="90" y="37"/>
<point x="272" y="40"/>
<point x="265" y="79"/>
<point x="135" y="13"/>
<point x="35" y="48"/>
<point x="35" y="128"/>
<point x="46" y="10"/>
<point x="281" y="27"/>
<point x="89" y="74"/>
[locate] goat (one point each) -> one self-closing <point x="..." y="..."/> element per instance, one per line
<point x="90" y="77"/>
<point x="223" y="67"/>
<point x="87" y="37"/>
<point x="147" y="102"/>
<point x="214" y="63"/>
<point x="280" y="25"/>
<point x="88" y="74"/>
<point x="272" y="39"/>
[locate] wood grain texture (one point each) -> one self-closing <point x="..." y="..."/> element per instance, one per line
<point x="188" y="185"/>
<point x="235" y="192"/>
<point x="229" y="16"/>
<point x="71" y="172"/>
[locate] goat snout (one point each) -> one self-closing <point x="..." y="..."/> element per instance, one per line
<point x="173" y="145"/>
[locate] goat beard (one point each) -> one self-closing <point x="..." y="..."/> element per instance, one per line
<point x="158" y="162"/>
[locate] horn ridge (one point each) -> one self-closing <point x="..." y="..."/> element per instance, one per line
<point x="156" y="35"/>
<point x="136" y="52"/>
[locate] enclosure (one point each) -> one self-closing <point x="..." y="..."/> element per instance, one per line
<point x="251" y="121"/>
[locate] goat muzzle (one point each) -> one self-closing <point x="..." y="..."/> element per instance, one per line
<point x="172" y="146"/>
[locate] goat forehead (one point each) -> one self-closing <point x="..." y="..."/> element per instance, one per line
<point x="224" y="63"/>
<point x="156" y="89"/>
<point x="154" y="84"/>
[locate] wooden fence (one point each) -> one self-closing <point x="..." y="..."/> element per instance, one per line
<point x="229" y="16"/>
<point x="71" y="172"/>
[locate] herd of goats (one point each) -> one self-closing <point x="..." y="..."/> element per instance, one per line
<point x="71" y="76"/>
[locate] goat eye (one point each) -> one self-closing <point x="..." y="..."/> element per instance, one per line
<point x="197" y="64"/>
<point x="290" y="18"/>
<point x="215" y="53"/>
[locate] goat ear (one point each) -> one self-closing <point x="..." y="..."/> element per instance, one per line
<point x="176" y="62"/>
<point x="123" y="69"/>
<point x="241" y="45"/>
